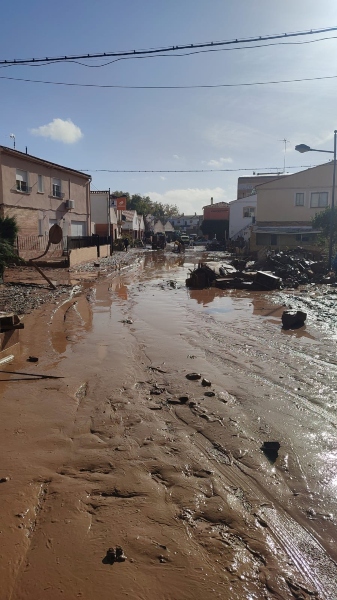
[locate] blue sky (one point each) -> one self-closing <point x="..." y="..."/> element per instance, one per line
<point x="238" y="128"/>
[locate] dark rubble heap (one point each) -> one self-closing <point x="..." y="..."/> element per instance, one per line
<point x="276" y="270"/>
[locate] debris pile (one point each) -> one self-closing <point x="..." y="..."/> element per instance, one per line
<point x="201" y="277"/>
<point x="295" y="267"/>
<point x="228" y="278"/>
<point x="282" y="269"/>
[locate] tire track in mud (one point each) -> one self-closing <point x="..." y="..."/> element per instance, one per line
<point x="308" y="556"/>
<point x="281" y="358"/>
<point x="306" y="553"/>
<point x="29" y="525"/>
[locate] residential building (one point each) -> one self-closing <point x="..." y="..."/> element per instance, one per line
<point x="39" y="193"/>
<point x="286" y="206"/>
<point x="241" y="217"/>
<point x="103" y="214"/>
<point x="218" y="211"/>
<point x="158" y="227"/>
<point x="247" y="185"/>
<point x="187" y="223"/>
<point x="133" y="225"/>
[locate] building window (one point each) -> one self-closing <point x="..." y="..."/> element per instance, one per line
<point x="40" y="184"/>
<point x="57" y="188"/>
<point x="22" y="181"/>
<point x="319" y="199"/>
<point x="249" y="211"/>
<point x="299" y="199"/>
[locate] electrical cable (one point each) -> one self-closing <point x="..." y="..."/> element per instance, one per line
<point x="168" y="87"/>
<point x="278" y="169"/>
<point x="167" y="48"/>
<point x="110" y="62"/>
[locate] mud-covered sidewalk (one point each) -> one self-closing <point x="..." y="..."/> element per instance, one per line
<point x="108" y="442"/>
<point x="24" y="290"/>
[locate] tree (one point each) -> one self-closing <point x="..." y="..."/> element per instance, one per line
<point x="8" y="229"/>
<point x="8" y="233"/>
<point x="215" y="227"/>
<point x="322" y="221"/>
<point x="145" y="206"/>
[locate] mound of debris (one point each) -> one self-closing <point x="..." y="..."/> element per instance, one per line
<point x="282" y="269"/>
<point x="296" y="267"/>
<point x="227" y="277"/>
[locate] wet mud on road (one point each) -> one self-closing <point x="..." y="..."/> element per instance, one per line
<point x="123" y="450"/>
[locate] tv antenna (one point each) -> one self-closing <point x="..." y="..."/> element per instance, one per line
<point x="285" y="150"/>
<point x="12" y="136"/>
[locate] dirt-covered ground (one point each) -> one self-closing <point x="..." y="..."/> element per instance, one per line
<point x="117" y="447"/>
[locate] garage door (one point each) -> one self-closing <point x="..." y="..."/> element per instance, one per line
<point x="78" y="228"/>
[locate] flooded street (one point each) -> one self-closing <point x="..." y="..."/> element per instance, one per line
<point x="120" y="448"/>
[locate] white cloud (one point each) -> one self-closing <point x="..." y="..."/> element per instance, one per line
<point x="218" y="163"/>
<point x="59" y="130"/>
<point x="163" y="178"/>
<point x="176" y="157"/>
<point x="190" y="200"/>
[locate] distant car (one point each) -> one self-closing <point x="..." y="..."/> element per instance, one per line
<point x="185" y="239"/>
<point x="200" y="242"/>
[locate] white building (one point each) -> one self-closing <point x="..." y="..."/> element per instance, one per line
<point x="103" y="213"/>
<point x="132" y="224"/>
<point x="242" y="214"/>
<point x="189" y="223"/>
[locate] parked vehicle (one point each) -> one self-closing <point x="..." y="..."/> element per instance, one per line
<point x="200" y="242"/>
<point x="158" y="241"/>
<point x="185" y="239"/>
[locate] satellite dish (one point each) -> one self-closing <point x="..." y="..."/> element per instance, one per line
<point x="55" y="234"/>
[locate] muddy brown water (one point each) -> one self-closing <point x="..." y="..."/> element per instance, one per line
<point x="107" y="456"/>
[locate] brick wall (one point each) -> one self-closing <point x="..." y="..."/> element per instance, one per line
<point x="26" y="218"/>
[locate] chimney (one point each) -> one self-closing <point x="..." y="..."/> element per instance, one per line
<point x="211" y="200"/>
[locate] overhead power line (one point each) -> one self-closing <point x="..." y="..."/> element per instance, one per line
<point x="168" y="87"/>
<point x="279" y="169"/>
<point x="176" y="55"/>
<point x="151" y="51"/>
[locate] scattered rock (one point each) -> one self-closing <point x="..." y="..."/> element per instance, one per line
<point x="193" y="376"/>
<point x="111" y="555"/>
<point x="114" y="555"/>
<point x="209" y="394"/>
<point x="127" y="321"/>
<point x="4" y="479"/>
<point x="206" y="382"/>
<point x="270" y="449"/>
<point x="120" y="556"/>
<point x="32" y="359"/>
<point x="183" y="399"/>
<point x="293" y="318"/>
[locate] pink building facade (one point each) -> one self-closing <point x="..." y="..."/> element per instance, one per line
<point x="39" y="194"/>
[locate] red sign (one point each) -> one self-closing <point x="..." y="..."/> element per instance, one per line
<point x="121" y="203"/>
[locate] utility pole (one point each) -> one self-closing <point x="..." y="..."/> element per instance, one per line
<point x="285" y="150"/>
<point x="109" y="224"/>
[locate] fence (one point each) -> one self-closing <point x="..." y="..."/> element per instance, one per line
<point x="33" y="246"/>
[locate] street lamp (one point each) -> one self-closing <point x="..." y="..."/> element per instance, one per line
<point x="304" y="148"/>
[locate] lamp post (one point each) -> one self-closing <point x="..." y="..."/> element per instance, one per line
<point x="304" y="148"/>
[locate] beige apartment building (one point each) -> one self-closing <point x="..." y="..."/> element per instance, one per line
<point x="247" y="185"/>
<point x="286" y="206"/>
<point x="39" y="193"/>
